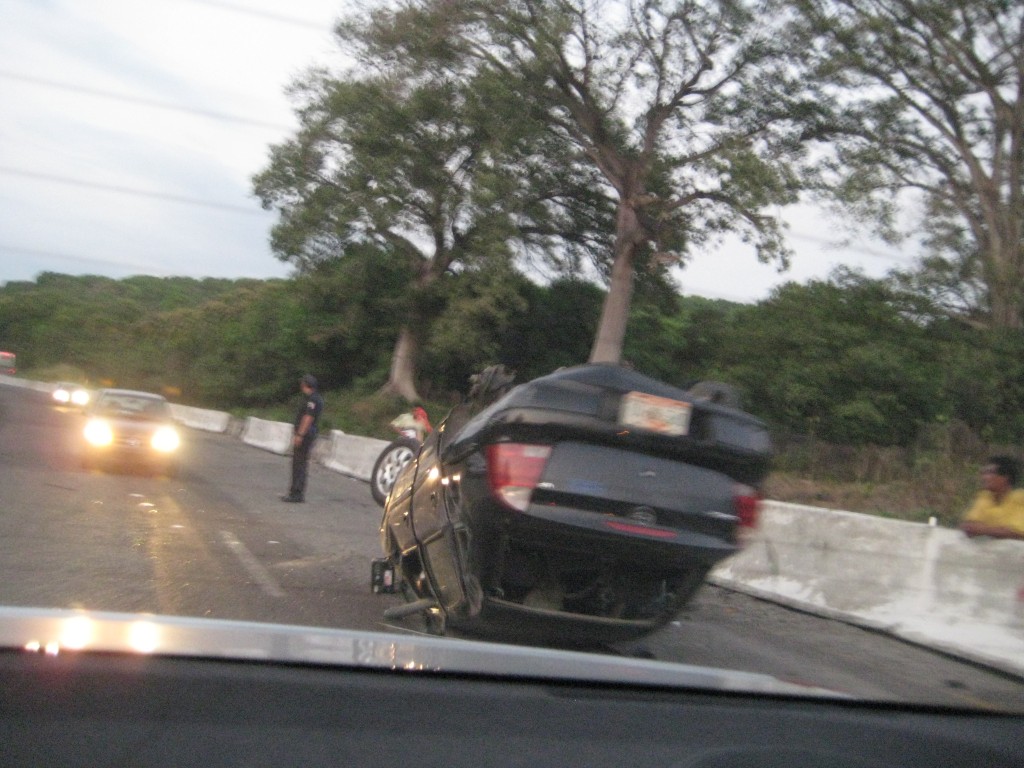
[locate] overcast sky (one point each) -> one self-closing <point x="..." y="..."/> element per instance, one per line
<point x="130" y="131"/>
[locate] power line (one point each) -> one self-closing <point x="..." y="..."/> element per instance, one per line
<point x="100" y="93"/>
<point x="260" y="14"/>
<point x="76" y="259"/>
<point x="895" y="257"/>
<point x="128" y="98"/>
<point x="116" y="189"/>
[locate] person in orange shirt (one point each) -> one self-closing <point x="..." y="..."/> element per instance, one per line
<point x="998" y="509"/>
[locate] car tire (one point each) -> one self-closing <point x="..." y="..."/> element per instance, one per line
<point x="717" y="392"/>
<point x="389" y="464"/>
<point x="435" y="622"/>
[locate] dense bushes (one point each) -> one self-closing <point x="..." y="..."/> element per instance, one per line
<point x="849" y="361"/>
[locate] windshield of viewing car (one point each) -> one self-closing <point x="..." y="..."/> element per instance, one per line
<point x="767" y="418"/>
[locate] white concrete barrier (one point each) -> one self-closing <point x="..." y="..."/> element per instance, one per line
<point x="352" y="454"/>
<point x="926" y="584"/>
<point x="200" y="418"/>
<point x="14" y="381"/>
<point x="273" y="436"/>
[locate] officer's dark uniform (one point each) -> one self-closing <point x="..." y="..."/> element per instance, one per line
<point x="312" y="405"/>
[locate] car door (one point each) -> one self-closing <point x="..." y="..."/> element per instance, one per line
<point x="434" y="532"/>
<point x="397" y="518"/>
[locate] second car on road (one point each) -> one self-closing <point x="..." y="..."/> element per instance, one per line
<point x="131" y="429"/>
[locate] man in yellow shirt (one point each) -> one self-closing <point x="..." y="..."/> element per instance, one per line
<point x="998" y="510"/>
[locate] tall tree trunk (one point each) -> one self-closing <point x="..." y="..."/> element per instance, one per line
<point x="1005" y="304"/>
<point x="402" y="377"/>
<point x="405" y="358"/>
<point x="1003" y="274"/>
<point x="611" y="330"/>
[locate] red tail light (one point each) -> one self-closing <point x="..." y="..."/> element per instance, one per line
<point x="513" y="470"/>
<point x="747" y="503"/>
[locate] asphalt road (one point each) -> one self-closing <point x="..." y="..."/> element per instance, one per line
<point x="216" y="541"/>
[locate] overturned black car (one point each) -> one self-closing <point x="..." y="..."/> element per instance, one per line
<point x="583" y="507"/>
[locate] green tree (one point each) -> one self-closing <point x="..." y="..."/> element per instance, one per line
<point x="83" y="321"/>
<point x="841" y="359"/>
<point x="440" y="173"/>
<point x="679" y="339"/>
<point x="983" y="380"/>
<point x="933" y="95"/>
<point x="242" y="348"/>
<point x="355" y="307"/>
<point x="692" y="112"/>
<point x="556" y="329"/>
<point x="480" y="308"/>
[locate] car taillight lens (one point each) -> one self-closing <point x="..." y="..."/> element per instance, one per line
<point x="747" y="504"/>
<point x="513" y="470"/>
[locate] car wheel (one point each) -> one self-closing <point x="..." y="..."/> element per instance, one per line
<point x="717" y="392"/>
<point x="435" y="621"/>
<point x="389" y="464"/>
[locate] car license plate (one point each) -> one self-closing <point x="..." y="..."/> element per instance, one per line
<point x="382" y="575"/>
<point x="655" y="414"/>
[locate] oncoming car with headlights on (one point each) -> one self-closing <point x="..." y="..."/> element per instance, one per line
<point x="66" y="394"/>
<point x="133" y="429"/>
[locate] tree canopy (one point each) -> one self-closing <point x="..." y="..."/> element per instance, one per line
<point x="694" y="114"/>
<point x="851" y="360"/>
<point x="932" y="103"/>
<point x="439" y="173"/>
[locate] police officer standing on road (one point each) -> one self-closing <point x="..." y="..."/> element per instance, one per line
<point x="307" y="420"/>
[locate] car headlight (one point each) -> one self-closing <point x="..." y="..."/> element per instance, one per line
<point x="99" y="433"/>
<point x="61" y="395"/>
<point x="79" y="397"/>
<point x="165" y="440"/>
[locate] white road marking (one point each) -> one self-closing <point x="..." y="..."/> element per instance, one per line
<point x="252" y="566"/>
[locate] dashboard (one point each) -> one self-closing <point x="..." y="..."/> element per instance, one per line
<point x="106" y="709"/>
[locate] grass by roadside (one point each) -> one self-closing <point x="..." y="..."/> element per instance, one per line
<point x="913" y="500"/>
<point x="936" y="476"/>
